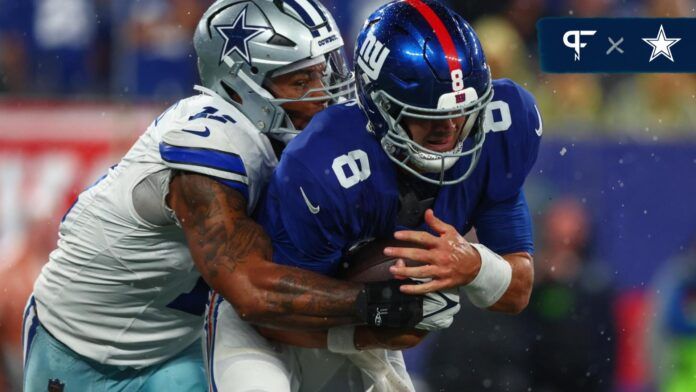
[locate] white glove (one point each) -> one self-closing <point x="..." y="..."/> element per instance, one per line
<point x="383" y="370"/>
<point x="439" y="308"/>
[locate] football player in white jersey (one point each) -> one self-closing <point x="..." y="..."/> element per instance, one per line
<point x="119" y="305"/>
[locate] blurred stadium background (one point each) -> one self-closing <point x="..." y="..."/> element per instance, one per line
<point x="613" y="193"/>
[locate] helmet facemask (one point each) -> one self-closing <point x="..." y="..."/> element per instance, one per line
<point x="421" y="161"/>
<point x="330" y="82"/>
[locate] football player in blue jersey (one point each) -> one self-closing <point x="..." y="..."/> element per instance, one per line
<point x="119" y="305"/>
<point x="432" y="148"/>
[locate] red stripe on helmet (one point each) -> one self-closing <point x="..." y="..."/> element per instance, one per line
<point x="440" y="31"/>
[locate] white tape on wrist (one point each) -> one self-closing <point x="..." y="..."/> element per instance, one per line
<point x="341" y="340"/>
<point x="492" y="280"/>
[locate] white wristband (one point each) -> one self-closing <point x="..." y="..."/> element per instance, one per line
<point x="492" y="280"/>
<point x="341" y="340"/>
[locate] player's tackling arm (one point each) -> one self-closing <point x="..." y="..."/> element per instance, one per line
<point x="233" y="253"/>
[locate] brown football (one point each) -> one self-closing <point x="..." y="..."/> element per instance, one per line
<point x="369" y="264"/>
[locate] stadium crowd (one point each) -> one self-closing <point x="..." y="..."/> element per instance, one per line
<point x="141" y="50"/>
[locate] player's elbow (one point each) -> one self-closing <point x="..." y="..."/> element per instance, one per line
<point x="250" y="303"/>
<point x="242" y="291"/>
<point x="250" y="306"/>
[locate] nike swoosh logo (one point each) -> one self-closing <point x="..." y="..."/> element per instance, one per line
<point x="539" y="130"/>
<point x="205" y="133"/>
<point x="314" y="210"/>
<point x="449" y="304"/>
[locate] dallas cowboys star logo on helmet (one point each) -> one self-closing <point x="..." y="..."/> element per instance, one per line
<point x="237" y="36"/>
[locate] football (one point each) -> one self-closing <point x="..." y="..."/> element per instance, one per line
<point x="368" y="263"/>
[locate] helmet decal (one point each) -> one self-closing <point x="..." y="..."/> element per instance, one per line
<point x="310" y="14"/>
<point x="443" y="36"/>
<point x="373" y="54"/>
<point x="237" y="36"/>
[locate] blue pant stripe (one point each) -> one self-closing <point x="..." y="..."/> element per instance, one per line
<point x="29" y="325"/>
<point x="217" y="300"/>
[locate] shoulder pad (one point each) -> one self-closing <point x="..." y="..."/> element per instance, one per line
<point x="207" y="135"/>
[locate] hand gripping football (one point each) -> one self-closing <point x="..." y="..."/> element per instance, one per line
<point x="369" y="264"/>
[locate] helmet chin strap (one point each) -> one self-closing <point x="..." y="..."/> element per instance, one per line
<point x="434" y="164"/>
<point x="419" y="161"/>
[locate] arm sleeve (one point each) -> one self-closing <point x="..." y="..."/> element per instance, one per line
<point x="502" y="218"/>
<point x="505" y="226"/>
<point x="513" y="153"/>
<point x="301" y="215"/>
<point x="534" y="131"/>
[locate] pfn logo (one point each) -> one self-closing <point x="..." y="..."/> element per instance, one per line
<point x="372" y="56"/>
<point x="576" y="43"/>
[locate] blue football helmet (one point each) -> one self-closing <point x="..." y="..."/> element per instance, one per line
<point x="418" y="59"/>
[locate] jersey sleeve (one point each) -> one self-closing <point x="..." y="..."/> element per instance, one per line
<point x="300" y="213"/>
<point x="211" y="139"/>
<point x="512" y="151"/>
<point x="505" y="226"/>
<point x="502" y="218"/>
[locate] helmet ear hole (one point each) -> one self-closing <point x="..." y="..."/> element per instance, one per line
<point x="281" y="40"/>
<point x="231" y="93"/>
<point x="373" y="22"/>
<point x="254" y="70"/>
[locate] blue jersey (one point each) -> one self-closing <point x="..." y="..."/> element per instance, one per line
<point x="335" y="187"/>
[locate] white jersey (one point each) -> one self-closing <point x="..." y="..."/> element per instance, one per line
<point x="121" y="288"/>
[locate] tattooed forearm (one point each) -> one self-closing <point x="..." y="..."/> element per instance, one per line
<point x="298" y="292"/>
<point x="225" y="235"/>
<point x="233" y="254"/>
